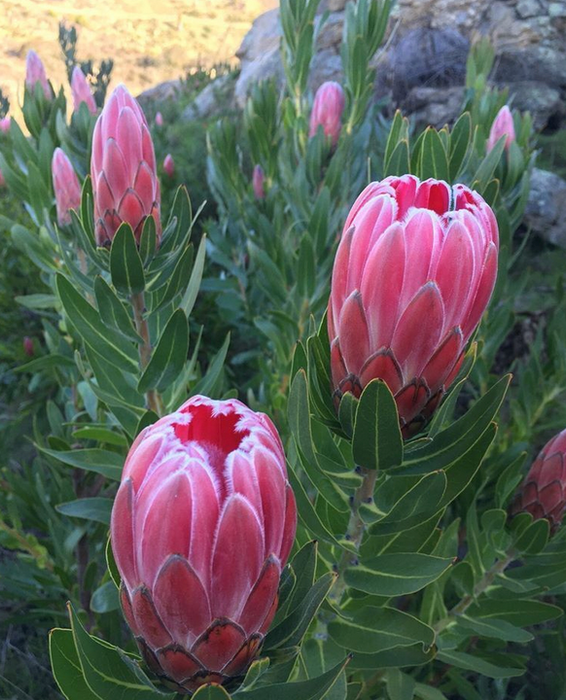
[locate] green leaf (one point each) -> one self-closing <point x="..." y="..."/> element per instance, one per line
<point x="86" y="319"/>
<point x="126" y="267"/>
<point x="396" y="574"/>
<point x="100" y="434"/>
<point x="433" y="160"/>
<point x="111" y="564"/>
<point x="207" y="383"/>
<point x="108" y="671"/>
<point x="169" y="356"/>
<point x="97" y="509"/>
<point x="46" y="362"/>
<point x="377" y="441"/>
<point x="104" y="462"/>
<point x="400" y="686"/>
<point x="460" y="138"/>
<point x="66" y="666"/>
<point x="521" y="612"/>
<point x="376" y="629"/>
<point x="397" y="657"/>
<point x="105" y="598"/>
<point x="112" y="310"/>
<point x="211" y="692"/>
<point x="533" y="540"/>
<point x="496" y="629"/>
<point x="477" y="664"/>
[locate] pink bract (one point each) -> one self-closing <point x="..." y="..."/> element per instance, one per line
<point x="327" y="111"/>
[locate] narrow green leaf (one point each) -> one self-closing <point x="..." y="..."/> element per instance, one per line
<point x="104" y="462"/>
<point x="473" y="662"/>
<point x="66" y="666"/>
<point x="125" y="263"/>
<point x="112" y="310"/>
<point x="169" y="356"/>
<point x="97" y="509"/>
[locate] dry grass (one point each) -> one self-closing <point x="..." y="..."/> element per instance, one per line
<point x="149" y="40"/>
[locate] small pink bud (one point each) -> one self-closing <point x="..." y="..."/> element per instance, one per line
<point x="201" y="528"/>
<point x="169" y="165"/>
<point x="413" y="273"/>
<point x="35" y="73"/>
<point x="81" y="91"/>
<point x="258" y="182"/>
<point x="65" y="185"/>
<point x="5" y="124"/>
<point x="502" y="126"/>
<point x="123" y="172"/>
<point x="159" y="119"/>
<point x="28" y="346"/>
<point x="543" y="493"/>
<point x="327" y="110"/>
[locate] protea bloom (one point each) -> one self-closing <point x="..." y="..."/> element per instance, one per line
<point x="413" y="273"/>
<point x="65" y="185"/>
<point x="35" y="73"/>
<point x="258" y="182"/>
<point x="327" y="110"/>
<point x="201" y="527"/>
<point x="28" y="346"/>
<point x="81" y="91"/>
<point x="124" y="179"/>
<point x="5" y="124"/>
<point x="169" y="165"/>
<point x="543" y="493"/>
<point x="502" y="126"/>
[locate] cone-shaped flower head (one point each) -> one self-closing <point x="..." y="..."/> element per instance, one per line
<point x="65" y="185"/>
<point x="81" y="91"/>
<point x="159" y="119"/>
<point x="413" y="273"/>
<point x="201" y="527"/>
<point x="327" y="110"/>
<point x="543" y="493"/>
<point x="258" y="182"/>
<point x="35" y="73"/>
<point x="502" y="126"/>
<point x="124" y="179"/>
<point x="5" y="124"/>
<point x="169" y="165"/>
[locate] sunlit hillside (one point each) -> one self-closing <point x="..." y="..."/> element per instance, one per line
<point x="149" y="40"/>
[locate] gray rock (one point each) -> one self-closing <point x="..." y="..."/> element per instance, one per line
<point x="546" y="207"/>
<point x="544" y="103"/>
<point x="557" y="9"/>
<point x="160" y="93"/>
<point x="210" y="101"/>
<point x="528" y="8"/>
<point x="435" y="106"/>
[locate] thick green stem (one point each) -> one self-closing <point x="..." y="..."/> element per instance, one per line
<point x="154" y="402"/>
<point x="482" y="585"/>
<point x="355" y="531"/>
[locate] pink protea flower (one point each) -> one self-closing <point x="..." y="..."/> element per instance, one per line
<point x="413" y="273"/>
<point x="202" y="525"/>
<point x="169" y="165"/>
<point x="65" y="185"/>
<point x="81" y="91"/>
<point x="258" y="182"/>
<point x="327" y="110"/>
<point x="543" y="493"/>
<point x="28" y="346"/>
<point x="35" y="73"/>
<point x="502" y="126"/>
<point x="159" y="119"/>
<point x="122" y="167"/>
<point x="5" y="124"/>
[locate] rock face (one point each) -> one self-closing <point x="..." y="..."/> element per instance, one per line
<point x="546" y="208"/>
<point x="424" y="65"/>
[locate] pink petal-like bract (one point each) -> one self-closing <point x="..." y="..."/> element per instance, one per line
<point x="35" y="73"/>
<point x="65" y="185"/>
<point x="81" y="91"/>
<point x="258" y="182"/>
<point x="502" y="126"/>
<point x="543" y="492"/>
<point x="413" y="273"/>
<point x="327" y="109"/>
<point x="124" y="177"/>
<point x="201" y="528"/>
<point x="169" y="165"/>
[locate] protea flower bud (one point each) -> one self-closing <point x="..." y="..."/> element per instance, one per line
<point x="502" y="126"/>
<point x="169" y="165"/>
<point x="543" y="493"/>
<point x="28" y="346"/>
<point x="327" y="110"/>
<point x="201" y="527"/>
<point x="5" y="124"/>
<point x="413" y="274"/>
<point x="258" y="182"/>
<point x="65" y="185"/>
<point x="2" y="179"/>
<point x="35" y="73"/>
<point x="81" y="91"/>
<point x="159" y="119"/>
<point x="124" y="179"/>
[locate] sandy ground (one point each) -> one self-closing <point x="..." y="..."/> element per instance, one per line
<point x="149" y="40"/>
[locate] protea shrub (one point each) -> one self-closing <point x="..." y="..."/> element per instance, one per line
<point x="413" y="274"/>
<point x="202" y="525"/>
<point x="124" y="177"/>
